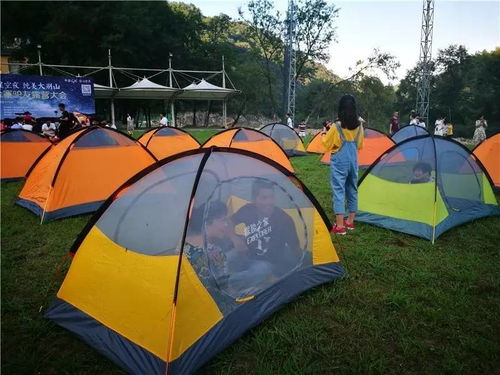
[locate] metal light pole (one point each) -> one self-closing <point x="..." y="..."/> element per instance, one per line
<point x="424" y="74"/>
<point x="290" y="59"/>
<point x="110" y="68"/>
<point x="170" y="83"/>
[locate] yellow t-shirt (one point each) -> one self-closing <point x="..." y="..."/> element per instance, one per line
<point x="333" y="142"/>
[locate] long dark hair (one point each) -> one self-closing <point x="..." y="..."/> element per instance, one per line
<point x="348" y="114"/>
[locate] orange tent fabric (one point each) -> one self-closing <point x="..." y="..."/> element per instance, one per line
<point x="316" y="145"/>
<point x="165" y="141"/>
<point x="375" y="144"/>
<point x="488" y="153"/>
<point x="251" y="140"/>
<point x="19" y="151"/>
<point x="77" y="175"/>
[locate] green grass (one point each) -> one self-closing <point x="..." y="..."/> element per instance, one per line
<point x="406" y="307"/>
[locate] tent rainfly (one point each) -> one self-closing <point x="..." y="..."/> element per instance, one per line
<point x="425" y="186"/>
<point x="251" y="140"/>
<point x="78" y="174"/>
<point x="488" y="153"/>
<point x="408" y="131"/>
<point x="167" y="141"/>
<point x="19" y="150"/>
<point x="157" y="298"/>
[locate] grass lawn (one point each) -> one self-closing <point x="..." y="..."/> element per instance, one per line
<point x="406" y="307"/>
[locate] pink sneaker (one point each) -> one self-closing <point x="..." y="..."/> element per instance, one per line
<point x="349" y="226"/>
<point x="337" y="230"/>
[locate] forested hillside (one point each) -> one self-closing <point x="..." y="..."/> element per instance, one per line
<point x="142" y="34"/>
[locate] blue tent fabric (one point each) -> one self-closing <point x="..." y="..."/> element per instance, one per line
<point x="458" y="179"/>
<point x="408" y="131"/>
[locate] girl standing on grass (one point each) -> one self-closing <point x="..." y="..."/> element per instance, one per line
<point x="343" y="140"/>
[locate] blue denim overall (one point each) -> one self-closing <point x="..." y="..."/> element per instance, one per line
<point x="344" y="174"/>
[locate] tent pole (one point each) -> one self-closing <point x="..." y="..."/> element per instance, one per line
<point x="224" y="113"/>
<point x="112" y="111"/>
<point x="110" y="68"/>
<point x="223" y="73"/>
<point x="172" y="112"/>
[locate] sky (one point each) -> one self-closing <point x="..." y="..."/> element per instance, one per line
<point x="394" y="27"/>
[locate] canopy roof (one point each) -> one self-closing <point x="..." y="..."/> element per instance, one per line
<point x="103" y="92"/>
<point x="204" y="90"/>
<point x="146" y="89"/>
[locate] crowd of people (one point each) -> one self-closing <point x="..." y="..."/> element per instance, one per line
<point x="54" y="128"/>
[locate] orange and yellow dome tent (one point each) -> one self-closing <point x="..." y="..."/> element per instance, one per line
<point x="251" y="140"/>
<point x="316" y="145"/>
<point x="375" y="144"/>
<point x="488" y="153"/>
<point x="19" y="150"/>
<point x="78" y="175"/>
<point x="155" y="283"/>
<point x="166" y="141"/>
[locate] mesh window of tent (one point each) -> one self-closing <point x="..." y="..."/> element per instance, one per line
<point x="425" y="186"/>
<point x="166" y="141"/>
<point x="286" y="137"/>
<point x="251" y="140"/>
<point x="19" y="150"/>
<point x="190" y="254"/>
<point x="408" y="131"/>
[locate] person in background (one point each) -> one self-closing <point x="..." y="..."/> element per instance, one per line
<point x="289" y="121"/>
<point x="394" y="123"/>
<point x="413" y="114"/>
<point x="414" y="118"/>
<point x="28" y="118"/>
<point x="65" y="122"/>
<point x="163" y="120"/>
<point x="326" y="127"/>
<point x="3" y="126"/>
<point x="343" y="140"/>
<point x="420" y="122"/>
<point x="480" y="132"/>
<point x="49" y="129"/>
<point x="439" y="127"/>
<point x="449" y="130"/>
<point x="27" y="126"/>
<point x="302" y="129"/>
<point x="130" y="125"/>
<point x="17" y="124"/>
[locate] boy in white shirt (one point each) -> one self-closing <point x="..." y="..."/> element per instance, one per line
<point x="164" y="120"/>
<point x="49" y="129"/>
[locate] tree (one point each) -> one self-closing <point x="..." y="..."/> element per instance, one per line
<point x="315" y="32"/>
<point x="264" y="31"/>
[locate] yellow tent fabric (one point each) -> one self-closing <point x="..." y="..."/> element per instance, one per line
<point x="162" y="279"/>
